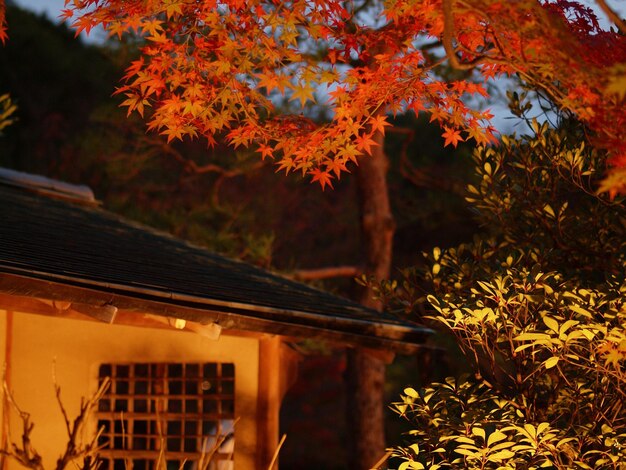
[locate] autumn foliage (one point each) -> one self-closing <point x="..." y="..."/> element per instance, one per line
<point x="3" y="26"/>
<point x="219" y="69"/>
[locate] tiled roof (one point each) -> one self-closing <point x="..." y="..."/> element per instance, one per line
<point x="82" y="246"/>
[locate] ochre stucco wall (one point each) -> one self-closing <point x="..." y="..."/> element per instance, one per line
<point x="77" y="348"/>
<point x="3" y="341"/>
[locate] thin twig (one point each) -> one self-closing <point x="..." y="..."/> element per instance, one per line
<point x="382" y="460"/>
<point x="57" y="392"/>
<point x="276" y="452"/>
<point x="614" y="17"/>
<point x="206" y="457"/>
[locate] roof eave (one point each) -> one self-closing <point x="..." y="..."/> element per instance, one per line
<point x="228" y="315"/>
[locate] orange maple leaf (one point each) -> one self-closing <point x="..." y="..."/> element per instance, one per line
<point x="336" y="166"/>
<point x="254" y="39"/>
<point x="364" y="143"/>
<point x="452" y="136"/>
<point x="379" y="123"/>
<point x="265" y="151"/>
<point x="322" y="177"/>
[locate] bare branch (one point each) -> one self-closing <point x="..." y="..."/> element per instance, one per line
<point x="448" y="35"/>
<point x="425" y="177"/>
<point x="57" y="392"/>
<point x="192" y="167"/>
<point x="74" y="449"/>
<point x="327" y="273"/>
<point x="614" y="17"/>
<point x="26" y="454"/>
<point x="382" y="460"/>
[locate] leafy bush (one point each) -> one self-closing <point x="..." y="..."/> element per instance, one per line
<point x="6" y="112"/>
<point x="538" y="306"/>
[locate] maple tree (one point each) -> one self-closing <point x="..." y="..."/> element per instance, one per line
<point x="216" y="68"/>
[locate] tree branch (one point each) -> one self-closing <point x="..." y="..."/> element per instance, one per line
<point x="74" y="449"/>
<point x="448" y="35"/>
<point x="326" y="273"/>
<point x="614" y="17"/>
<point x="26" y="454"/>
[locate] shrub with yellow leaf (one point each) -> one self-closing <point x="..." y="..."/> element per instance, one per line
<point x="538" y="305"/>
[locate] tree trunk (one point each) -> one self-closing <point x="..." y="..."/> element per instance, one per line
<point x="366" y="373"/>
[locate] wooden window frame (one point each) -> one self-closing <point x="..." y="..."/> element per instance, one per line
<point x="165" y="415"/>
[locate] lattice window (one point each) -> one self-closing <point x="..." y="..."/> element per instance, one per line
<point x="167" y="416"/>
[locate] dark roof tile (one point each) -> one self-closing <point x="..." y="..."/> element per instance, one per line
<point x="53" y="240"/>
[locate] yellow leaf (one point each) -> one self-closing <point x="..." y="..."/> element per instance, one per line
<point x="476" y="431"/>
<point x="567" y="325"/>
<point x="551" y="323"/>
<point x="500" y="456"/>
<point x="502" y="445"/>
<point x="614" y="356"/>
<point x="548" y="210"/>
<point x="578" y="309"/>
<point x="467" y="452"/>
<point x="494" y="437"/>
<point x="550" y="363"/>
<point x="530" y="431"/>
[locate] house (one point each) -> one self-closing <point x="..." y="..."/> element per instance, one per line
<point x="192" y="342"/>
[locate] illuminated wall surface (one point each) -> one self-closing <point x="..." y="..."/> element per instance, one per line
<point x="76" y="350"/>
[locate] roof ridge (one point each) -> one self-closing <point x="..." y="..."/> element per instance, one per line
<point x="48" y="186"/>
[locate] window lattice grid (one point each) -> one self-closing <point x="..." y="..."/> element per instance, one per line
<point x="179" y="410"/>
